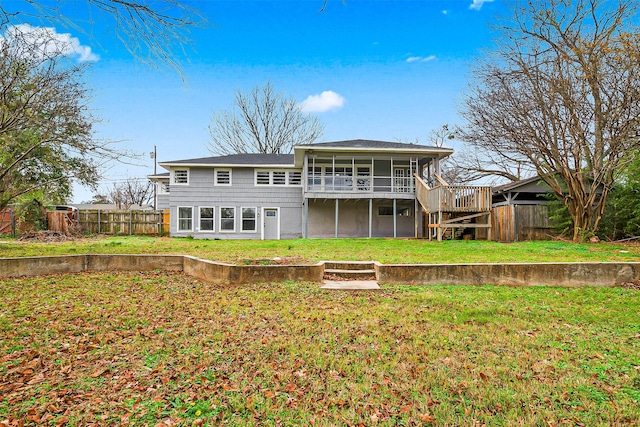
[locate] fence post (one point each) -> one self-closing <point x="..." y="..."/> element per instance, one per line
<point x="130" y="221"/>
<point x="98" y="221"/>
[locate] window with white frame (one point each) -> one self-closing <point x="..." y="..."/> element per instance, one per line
<point x="164" y="187"/>
<point x="295" y="178"/>
<point x="207" y="219"/>
<point x="227" y="219"/>
<point x="223" y="177"/>
<point x="263" y="177"/>
<point x="278" y="177"/>
<point x="180" y="176"/>
<point x="185" y="218"/>
<point x="249" y="219"/>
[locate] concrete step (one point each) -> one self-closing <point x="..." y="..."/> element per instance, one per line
<point x="349" y="265"/>
<point x="351" y="274"/>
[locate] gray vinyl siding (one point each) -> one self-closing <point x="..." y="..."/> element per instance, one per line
<point x="201" y="192"/>
<point x="162" y="201"/>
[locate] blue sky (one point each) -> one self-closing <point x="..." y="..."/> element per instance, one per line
<point x="389" y="70"/>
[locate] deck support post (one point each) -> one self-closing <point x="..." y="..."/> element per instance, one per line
<point x="305" y="218"/>
<point x="395" y="218"/>
<point x="336" y="218"/>
<point x="416" y="219"/>
<point x="439" y="226"/>
<point x="370" y="217"/>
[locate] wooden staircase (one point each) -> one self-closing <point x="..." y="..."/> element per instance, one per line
<point x="450" y="207"/>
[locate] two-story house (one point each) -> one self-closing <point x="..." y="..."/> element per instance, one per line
<point x="356" y="188"/>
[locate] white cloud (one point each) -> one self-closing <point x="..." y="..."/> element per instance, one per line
<point x="326" y="101"/>
<point x="477" y="4"/>
<point x="445" y="12"/>
<point x="421" y="58"/>
<point x="45" y="41"/>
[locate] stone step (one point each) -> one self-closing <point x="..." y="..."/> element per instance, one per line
<point x="349" y="265"/>
<point x="351" y="274"/>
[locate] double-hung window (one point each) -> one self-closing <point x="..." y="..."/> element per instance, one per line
<point x="227" y="220"/>
<point x="207" y="219"/>
<point x="249" y="219"/>
<point x="185" y="218"/>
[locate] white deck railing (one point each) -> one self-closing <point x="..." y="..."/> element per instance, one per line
<point x="359" y="184"/>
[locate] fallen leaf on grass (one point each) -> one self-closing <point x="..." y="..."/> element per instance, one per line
<point x="426" y="418"/>
<point x="98" y="372"/>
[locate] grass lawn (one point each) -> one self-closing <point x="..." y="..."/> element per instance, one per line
<point x="402" y="251"/>
<point x="145" y="348"/>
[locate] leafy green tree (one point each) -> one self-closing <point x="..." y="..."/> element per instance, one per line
<point x="46" y="136"/>
<point x="622" y="215"/>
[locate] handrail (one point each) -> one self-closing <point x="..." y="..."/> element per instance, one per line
<point x="453" y="198"/>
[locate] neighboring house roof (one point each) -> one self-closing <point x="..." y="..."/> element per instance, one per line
<point x="535" y="184"/>
<point x="249" y="159"/>
<point x="159" y="176"/>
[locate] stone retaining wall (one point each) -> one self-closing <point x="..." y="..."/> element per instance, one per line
<point x="539" y="274"/>
<point x="556" y="274"/>
<point x="208" y="271"/>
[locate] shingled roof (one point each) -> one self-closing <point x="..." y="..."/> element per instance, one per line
<point x="247" y="159"/>
<point x="367" y="143"/>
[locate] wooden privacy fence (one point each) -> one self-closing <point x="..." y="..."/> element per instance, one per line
<point x="520" y="222"/>
<point x="7" y="221"/>
<point x="124" y="222"/>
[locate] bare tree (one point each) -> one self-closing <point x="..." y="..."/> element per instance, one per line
<point x="151" y="31"/>
<point x="473" y="166"/>
<point x="262" y="122"/>
<point x="439" y="137"/>
<point x="562" y="93"/>
<point x="132" y="191"/>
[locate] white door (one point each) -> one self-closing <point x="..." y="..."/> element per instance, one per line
<point x="270" y="224"/>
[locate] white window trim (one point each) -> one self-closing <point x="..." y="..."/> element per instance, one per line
<point x="172" y="181"/>
<point x="212" y="219"/>
<point x="235" y="219"/>
<point x="271" y="184"/>
<point x="161" y="187"/>
<point x="215" y="178"/>
<point x="178" y="219"/>
<point x="255" y="220"/>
